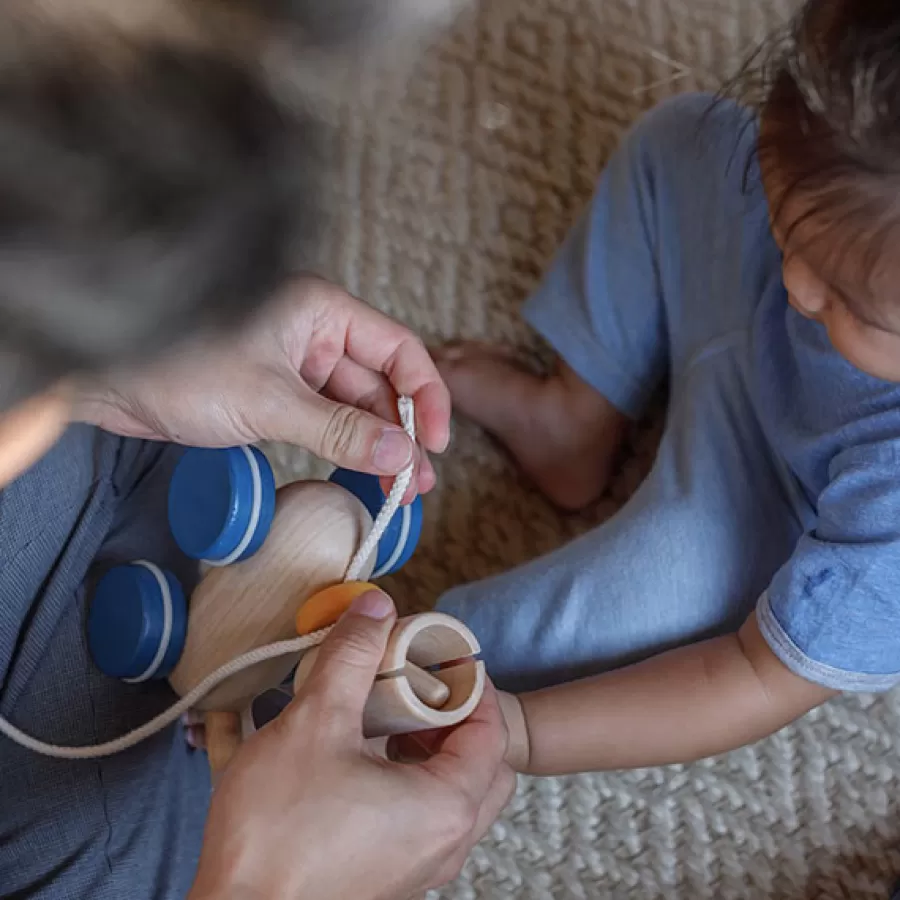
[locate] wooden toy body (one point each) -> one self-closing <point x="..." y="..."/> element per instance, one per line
<point x="316" y="531"/>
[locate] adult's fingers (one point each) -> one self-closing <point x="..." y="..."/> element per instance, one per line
<point x="344" y="671"/>
<point x="346" y="435"/>
<point x="379" y="343"/>
<point x="357" y="386"/>
<point x="423" y="480"/>
<point x="370" y="390"/>
<point x="471" y="755"/>
<point x="416" y="747"/>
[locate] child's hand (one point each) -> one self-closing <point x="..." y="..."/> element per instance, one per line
<point x="425" y="744"/>
<point x="319" y="369"/>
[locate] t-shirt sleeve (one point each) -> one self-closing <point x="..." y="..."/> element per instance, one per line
<point x="832" y="612"/>
<point x="609" y="297"/>
<point x="599" y="305"/>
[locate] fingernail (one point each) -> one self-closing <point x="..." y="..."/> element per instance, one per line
<point x="393" y="452"/>
<point x="372" y="605"/>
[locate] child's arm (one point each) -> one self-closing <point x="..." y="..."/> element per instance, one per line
<point x="680" y="706"/>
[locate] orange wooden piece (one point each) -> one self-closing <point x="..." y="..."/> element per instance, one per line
<point x="327" y="606"/>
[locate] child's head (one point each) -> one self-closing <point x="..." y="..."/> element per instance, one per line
<point x="829" y="152"/>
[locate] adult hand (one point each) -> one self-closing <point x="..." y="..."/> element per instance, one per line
<point x="308" y="809"/>
<point x="318" y="368"/>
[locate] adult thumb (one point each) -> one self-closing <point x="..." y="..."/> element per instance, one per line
<point x="348" y="659"/>
<point x="351" y="438"/>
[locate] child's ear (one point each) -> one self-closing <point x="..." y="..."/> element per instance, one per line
<point x="807" y="293"/>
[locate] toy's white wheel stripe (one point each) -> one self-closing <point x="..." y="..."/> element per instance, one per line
<point x="405" y="528"/>
<point x="255" y="513"/>
<point x="168" y="620"/>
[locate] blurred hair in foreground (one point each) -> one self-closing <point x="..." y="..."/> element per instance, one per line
<point x="163" y="165"/>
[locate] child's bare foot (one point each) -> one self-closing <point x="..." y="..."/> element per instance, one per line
<point x="564" y="434"/>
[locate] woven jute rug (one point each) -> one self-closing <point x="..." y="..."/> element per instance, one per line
<point x="456" y="184"/>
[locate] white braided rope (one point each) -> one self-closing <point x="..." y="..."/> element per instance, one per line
<point x="173" y="713"/>
<point x="392" y="504"/>
<point x="246" y="660"/>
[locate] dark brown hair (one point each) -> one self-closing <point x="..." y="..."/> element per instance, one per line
<point x="827" y="88"/>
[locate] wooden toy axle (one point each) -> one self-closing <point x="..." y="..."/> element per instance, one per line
<point x="400" y="704"/>
<point x="430" y="690"/>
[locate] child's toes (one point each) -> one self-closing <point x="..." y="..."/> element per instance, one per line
<point x="194" y="730"/>
<point x="195" y="736"/>
<point x="465" y="351"/>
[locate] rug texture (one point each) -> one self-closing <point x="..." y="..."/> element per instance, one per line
<point x="457" y="182"/>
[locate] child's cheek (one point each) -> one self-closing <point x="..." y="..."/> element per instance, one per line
<point x="868" y="355"/>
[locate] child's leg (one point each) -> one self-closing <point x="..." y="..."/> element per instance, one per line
<point x="661" y="276"/>
<point x="687" y="558"/>
<point x="564" y="434"/>
<point x="622" y="303"/>
<point x="600" y="306"/>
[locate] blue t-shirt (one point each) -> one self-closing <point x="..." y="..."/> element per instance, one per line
<point x="674" y="256"/>
<point x="832" y="613"/>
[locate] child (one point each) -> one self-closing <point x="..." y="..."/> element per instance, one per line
<point x="756" y="571"/>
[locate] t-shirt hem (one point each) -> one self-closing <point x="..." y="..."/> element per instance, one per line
<point x="591" y="362"/>
<point x="820" y="673"/>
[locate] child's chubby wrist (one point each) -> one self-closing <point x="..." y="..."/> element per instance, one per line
<point x="518" y="753"/>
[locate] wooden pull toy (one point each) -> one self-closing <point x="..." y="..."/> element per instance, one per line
<point x="278" y="560"/>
